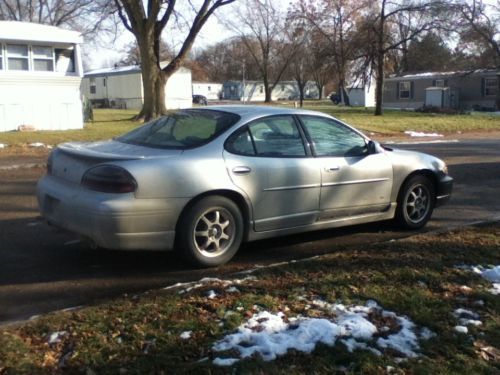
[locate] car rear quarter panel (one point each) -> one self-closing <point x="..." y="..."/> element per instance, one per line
<point x="193" y="173"/>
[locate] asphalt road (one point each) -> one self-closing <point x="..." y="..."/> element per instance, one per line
<point x="43" y="270"/>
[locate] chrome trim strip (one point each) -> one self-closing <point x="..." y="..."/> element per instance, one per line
<point x="280" y="188"/>
<point x="354" y="182"/>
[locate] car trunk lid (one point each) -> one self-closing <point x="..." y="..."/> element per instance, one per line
<point x="70" y="160"/>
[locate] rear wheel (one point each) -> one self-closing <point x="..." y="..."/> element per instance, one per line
<point x="415" y="203"/>
<point x="211" y="231"/>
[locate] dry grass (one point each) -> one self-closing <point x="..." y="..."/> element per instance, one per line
<point x="416" y="277"/>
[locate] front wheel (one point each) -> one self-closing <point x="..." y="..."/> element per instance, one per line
<point x="210" y="232"/>
<point x="415" y="203"/>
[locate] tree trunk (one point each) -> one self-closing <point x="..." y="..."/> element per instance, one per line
<point x="320" y="90"/>
<point x="267" y="91"/>
<point x="498" y="89"/>
<point x="301" y="92"/>
<point x="380" y="63"/>
<point x="379" y="84"/>
<point x="153" y="81"/>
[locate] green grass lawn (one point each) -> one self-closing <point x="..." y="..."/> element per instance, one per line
<point x="416" y="278"/>
<point x="395" y="122"/>
<point x="109" y="123"/>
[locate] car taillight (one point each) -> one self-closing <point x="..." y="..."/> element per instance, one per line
<point x="109" y="179"/>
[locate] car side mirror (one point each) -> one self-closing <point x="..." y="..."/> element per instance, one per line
<point x="372" y="147"/>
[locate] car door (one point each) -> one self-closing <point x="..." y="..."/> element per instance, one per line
<point x="269" y="161"/>
<point x="354" y="180"/>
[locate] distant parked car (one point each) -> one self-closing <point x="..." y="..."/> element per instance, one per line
<point x="203" y="180"/>
<point x="200" y="99"/>
<point x="335" y="98"/>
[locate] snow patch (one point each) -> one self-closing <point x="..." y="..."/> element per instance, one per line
<point x="186" y="335"/>
<point x="56" y="337"/>
<point x="412" y="133"/>
<point x="225" y="361"/>
<point x="461" y="329"/>
<point x="37" y="144"/>
<point x="491" y="274"/>
<point x="270" y="335"/>
<point x="211" y="294"/>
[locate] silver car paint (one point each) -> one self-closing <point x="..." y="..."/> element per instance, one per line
<point x="281" y="195"/>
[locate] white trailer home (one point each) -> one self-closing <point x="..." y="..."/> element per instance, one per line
<point x="210" y="90"/>
<point x="254" y="91"/>
<point x="121" y="87"/>
<point x="40" y="77"/>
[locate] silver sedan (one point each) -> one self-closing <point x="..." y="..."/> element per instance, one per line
<point x="203" y="180"/>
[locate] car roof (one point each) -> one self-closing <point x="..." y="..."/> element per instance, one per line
<point x="251" y="111"/>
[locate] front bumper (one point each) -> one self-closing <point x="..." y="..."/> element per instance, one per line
<point x="113" y="221"/>
<point x="443" y="190"/>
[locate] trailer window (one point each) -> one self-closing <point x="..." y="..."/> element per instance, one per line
<point x="43" y="58"/>
<point x="17" y="57"/>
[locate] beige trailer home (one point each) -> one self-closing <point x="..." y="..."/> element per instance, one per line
<point x="121" y="87"/>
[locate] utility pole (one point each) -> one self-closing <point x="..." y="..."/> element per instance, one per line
<point x="243" y="82"/>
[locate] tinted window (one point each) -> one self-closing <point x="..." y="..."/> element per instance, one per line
<point x="241" y="143"/>
<point x="331" y="138"/>
<point x="277" y="136"/>
<point x="181" y="129"/>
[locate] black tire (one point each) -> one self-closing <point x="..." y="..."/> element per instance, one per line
<point x="210" y="232"/>
<point x="415" y="203"/>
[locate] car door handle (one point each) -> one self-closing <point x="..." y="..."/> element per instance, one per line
<point x="332" y="168"/>
<point x="242" y="170"/>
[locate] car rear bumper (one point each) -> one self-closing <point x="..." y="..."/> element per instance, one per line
<point x="443" y="190"/>
<point x="113" y="221"/>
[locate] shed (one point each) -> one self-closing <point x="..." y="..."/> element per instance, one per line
<point x="362" y="94"/>
<point x="40" y="77"/>
<point x="121" y="87"/>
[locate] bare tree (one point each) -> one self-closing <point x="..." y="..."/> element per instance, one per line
<point x="483" y="22"/>
<point x="262" y="28"/>
<point x="224" y="61"/>
<point x="336" y="22"/>
<point x="86" y="16"/>
<point x="417" y="16"/>
<point x="320" y="65"/>
<point x="146" y="20"/>
<point x="133" y="54"/>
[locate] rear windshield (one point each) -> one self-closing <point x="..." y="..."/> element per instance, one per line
<point x="181" y="129"/>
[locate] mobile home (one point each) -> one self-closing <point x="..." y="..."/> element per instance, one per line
<point x="463" y="90"/>
<point x="40" y="76"/>
<point x="254" y="91"/>
<point x="121" y="87"/>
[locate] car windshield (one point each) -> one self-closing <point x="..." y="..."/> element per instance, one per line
<point x="181" y="129"/>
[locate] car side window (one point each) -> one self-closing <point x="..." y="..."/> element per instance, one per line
<point x="274" y="136"/>
<point x="277" y="136"/>
<point x="331" y="138"/>
<point x="241" y="143"/>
